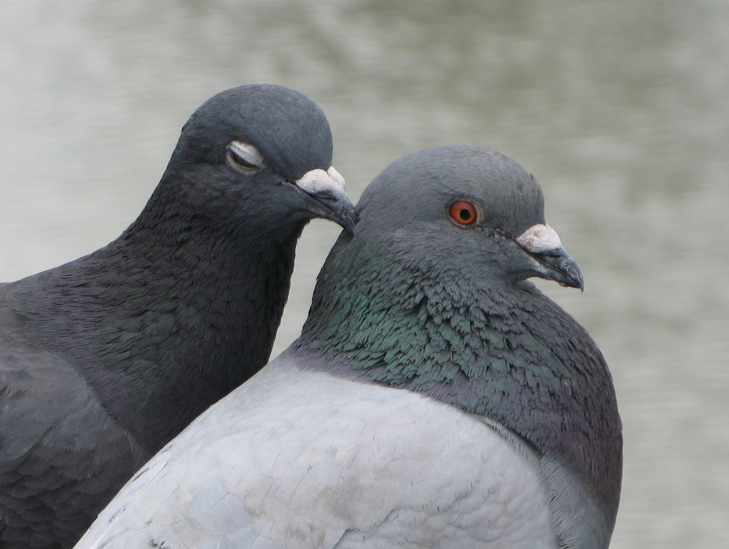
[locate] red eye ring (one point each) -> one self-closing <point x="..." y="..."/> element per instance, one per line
<point x="463" y="213"/>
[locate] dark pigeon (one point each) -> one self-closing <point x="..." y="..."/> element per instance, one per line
<point x="435" y="397"/>
<point x="105" y="359"/>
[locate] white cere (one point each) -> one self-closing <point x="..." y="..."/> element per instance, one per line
<point x="540" y="238"/>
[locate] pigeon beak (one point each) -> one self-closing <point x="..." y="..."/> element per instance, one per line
<point x="326" y="196"/>
<point x="551" y="261"/>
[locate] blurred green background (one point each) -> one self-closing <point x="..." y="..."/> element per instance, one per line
<point x="620" y="109"/>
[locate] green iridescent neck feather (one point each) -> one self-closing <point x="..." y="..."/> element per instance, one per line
<point x="483" y="345"/>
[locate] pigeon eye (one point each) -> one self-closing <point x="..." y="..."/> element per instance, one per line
<point x="243" y="157"/>
<point x="242" y="161"/>
<point x="463" y="213"/>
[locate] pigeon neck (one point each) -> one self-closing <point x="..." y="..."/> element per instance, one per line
<point x="176" y="316"/>
<point x="503" y="351"/>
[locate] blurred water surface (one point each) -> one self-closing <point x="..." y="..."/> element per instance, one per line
<point x="620" y="108"/>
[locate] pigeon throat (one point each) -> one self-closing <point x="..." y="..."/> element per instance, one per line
<point x="162" y="332"/>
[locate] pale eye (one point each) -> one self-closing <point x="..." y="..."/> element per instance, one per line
<point x="244" y="157"/>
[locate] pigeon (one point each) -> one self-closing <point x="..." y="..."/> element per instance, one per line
<point x="105" y="359"/>
<point x="435" y="398"/>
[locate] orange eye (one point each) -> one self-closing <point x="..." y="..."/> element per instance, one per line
<point x="464" y="213"/>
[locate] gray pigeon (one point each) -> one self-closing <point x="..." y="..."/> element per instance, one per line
<point x="435" y="399"/>
<point x="107" y="358"/>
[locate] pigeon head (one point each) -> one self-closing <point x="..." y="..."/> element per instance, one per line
<point x="260" y="152"/>
<point x="470" y="209"/>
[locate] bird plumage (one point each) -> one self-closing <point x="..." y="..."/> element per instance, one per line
<point x="105" y="359"/>
<point x="435" y="397"/>
<point x="302" y="459"/>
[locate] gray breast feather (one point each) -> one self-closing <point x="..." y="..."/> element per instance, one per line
<point x="299" y="459"/>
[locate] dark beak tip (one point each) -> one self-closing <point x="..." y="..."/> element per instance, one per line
<point x="336" y="207"/>
<point x="573" y="276"/>
<point x="574" y="283"/>
<point x="349" y="224"/>
<point x="343" y="213"/>
<point x="557" y="265"/>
